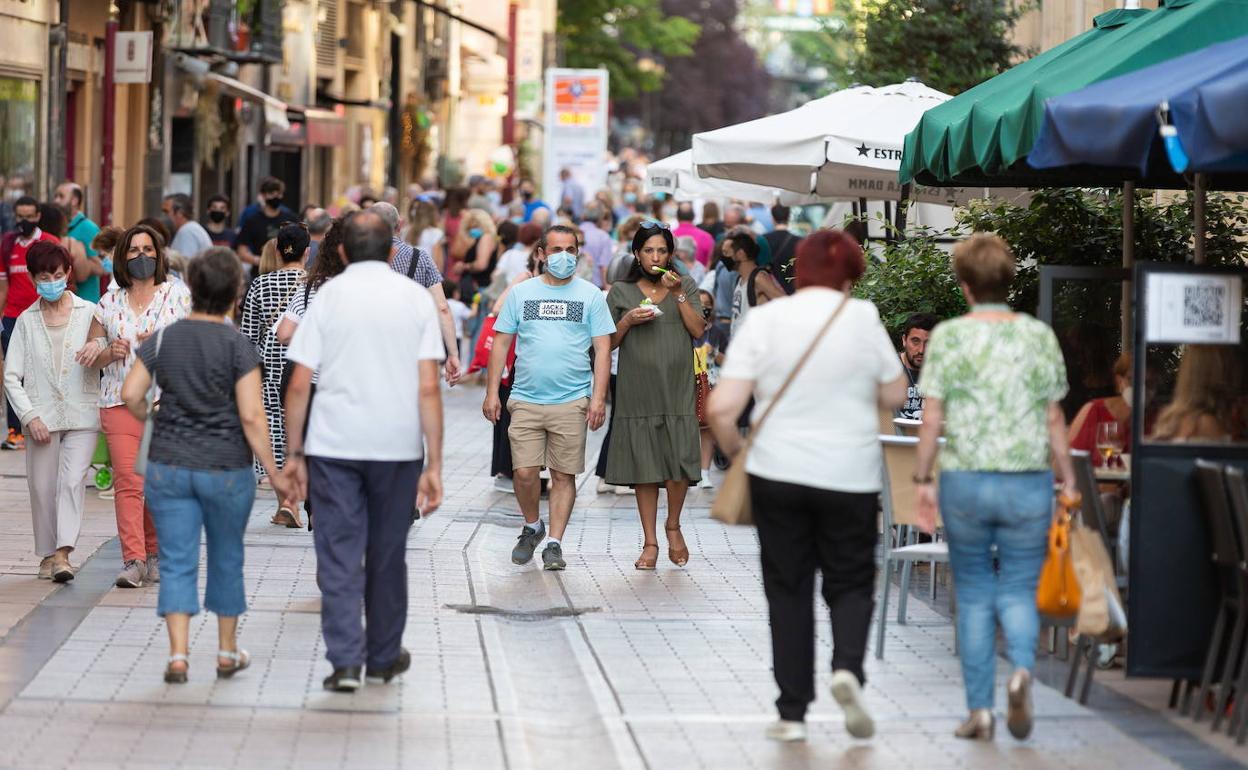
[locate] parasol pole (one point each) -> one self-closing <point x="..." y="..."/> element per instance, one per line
<point x="1198" y="210"/>
<point x="903" y="207"/>
<point x="1128" y="259"/>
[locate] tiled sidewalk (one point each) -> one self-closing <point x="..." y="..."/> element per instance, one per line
<point x="600" y="666"/>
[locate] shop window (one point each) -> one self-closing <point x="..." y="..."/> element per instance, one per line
<point x="19" y="143"/>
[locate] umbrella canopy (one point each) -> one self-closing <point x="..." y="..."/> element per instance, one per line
<point x="676" y="176"/>
<point x="1115" y="122"/>
<point x="846" y="145"/>
<point x="984" y="135"/>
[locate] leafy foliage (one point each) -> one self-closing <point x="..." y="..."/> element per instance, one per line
<point x="912" y="276"/>
<point x="616" y="34"/>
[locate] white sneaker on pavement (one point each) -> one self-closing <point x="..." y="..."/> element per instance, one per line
<point x="624" y="489"/>
<point x="503" y="484"/>
<point x="706" y="483"/>
<point x="786" y="731"/>
<point x="848" y="693"/>
<point x="604" y="487"/>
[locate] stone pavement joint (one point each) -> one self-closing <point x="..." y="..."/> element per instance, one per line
<point x="600" y="666"/>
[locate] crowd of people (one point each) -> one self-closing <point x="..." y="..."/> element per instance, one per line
<point x="217" y="356"/>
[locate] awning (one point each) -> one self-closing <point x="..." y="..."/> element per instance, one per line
<point x="274" y="109"/>
<point x="325" y="128"/>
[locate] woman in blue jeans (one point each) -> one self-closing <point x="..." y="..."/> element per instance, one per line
<point x="209" y="420"/>
<point x="993" y="378"/>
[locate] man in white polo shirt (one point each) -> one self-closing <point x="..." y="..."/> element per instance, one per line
<point x="373" y="336"/>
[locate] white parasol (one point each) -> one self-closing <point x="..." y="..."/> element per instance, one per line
<point x="675" y="176"/>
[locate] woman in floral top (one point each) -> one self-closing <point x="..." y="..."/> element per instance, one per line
<point x="147" y="299"/>
<point x="993" y="378"/>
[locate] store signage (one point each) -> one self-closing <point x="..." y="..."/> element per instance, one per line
<point x="1197" y="308"/>
<point x="529" y="51"/>
<point x="132" y="57"/>
<point x="576" y="130"/>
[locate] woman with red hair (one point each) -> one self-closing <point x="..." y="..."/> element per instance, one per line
<point x="814" y="466"/>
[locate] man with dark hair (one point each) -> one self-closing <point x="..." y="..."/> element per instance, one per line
<point x="255" y="229"/>
<point x="17" y="290"/>
<point x="190" y="239"/>
<point x="528" y="194"/>
<point x="372" y="337"/>
<point x="914" y="334"/>
<point x="783" y="245"/>
<point x="217" y="222"/>
<point x="555" y="318"/>
<point x="754" y="286"/>
<point x="69" y="197"/>
<point x="685" y="227"/>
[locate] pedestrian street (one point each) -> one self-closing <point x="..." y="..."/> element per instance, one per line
<point x="599" y="666"/>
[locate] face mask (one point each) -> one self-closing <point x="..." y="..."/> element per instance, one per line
<point x="517" y="220"/>
<point x="273" y="201"/>
<point x="26" y="227"/>
<point x="107" y="263"/>
<point x="561" y="265"/>
<point x="142" y="268"/>
<point x="474" y="233"/>
<point x="1126" y="394"/>
<point x="51" y="290"/>
<point x="494" y="197"/>
<point x="728" y="262"/>
<point x="669" y="212"/>
<point x="630" y="197"/>
<point x="216" y="216"/>
<point x="527" y="195"/>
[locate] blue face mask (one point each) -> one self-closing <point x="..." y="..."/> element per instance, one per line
<point x="561" y="265"/>
<point x="475" y="233"/>
<point x="107" y="263"/>
<point x="630" y="197"/>
<point x="51" y="290"/>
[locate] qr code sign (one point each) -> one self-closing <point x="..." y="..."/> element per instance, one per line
<point x="1204" y="305"/>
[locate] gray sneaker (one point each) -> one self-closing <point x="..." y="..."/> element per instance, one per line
<point x="527" y="543"/>
<point x="552" y="557"/>
<point x="132" y="574"/>
<point x="153" y="568"/>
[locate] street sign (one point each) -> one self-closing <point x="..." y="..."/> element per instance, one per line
<point x="576" y="131"/>
<point x="132" y="57"/>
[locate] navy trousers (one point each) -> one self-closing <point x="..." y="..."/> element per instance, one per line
<point x="363" y="512"/>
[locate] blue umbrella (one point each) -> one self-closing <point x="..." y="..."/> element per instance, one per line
<point x="1190" y="108"/>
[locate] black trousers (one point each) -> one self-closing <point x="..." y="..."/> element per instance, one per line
<point x="601" y="470"/>
<point x="500" y="455"/>
<point x="801" y="529"/>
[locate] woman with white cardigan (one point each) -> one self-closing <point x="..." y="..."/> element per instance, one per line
<point x="57" y="400"/>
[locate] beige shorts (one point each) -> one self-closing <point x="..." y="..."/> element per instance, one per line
<point x="550" y="435"/>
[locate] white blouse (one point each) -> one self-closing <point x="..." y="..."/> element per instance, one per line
<point x="43" y="380"/>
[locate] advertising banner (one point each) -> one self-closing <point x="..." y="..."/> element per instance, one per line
<point x="576" y="132"/>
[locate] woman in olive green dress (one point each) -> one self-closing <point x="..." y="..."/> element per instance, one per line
<point x="654" y="436"/>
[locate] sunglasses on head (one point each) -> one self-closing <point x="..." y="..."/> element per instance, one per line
<point x="652" y="224"/>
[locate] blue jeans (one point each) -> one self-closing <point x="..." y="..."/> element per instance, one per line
<point x="184" y="502"/>
<point x="1011" y="511"/>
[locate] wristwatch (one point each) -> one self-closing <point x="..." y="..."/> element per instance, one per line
<point x="680" y="298"/>
<point x="922" y="480"/>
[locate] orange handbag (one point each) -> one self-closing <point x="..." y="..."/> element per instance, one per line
<point x="1057" y="593"/>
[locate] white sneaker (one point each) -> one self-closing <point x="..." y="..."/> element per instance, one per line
<point x="786" y="731"/>
<point x="706" y="483"/>
<point x="604" y="487"/>
<point x="624" y="489"/>
<point x="503" y="484"/>
<point x="848" y="694"/>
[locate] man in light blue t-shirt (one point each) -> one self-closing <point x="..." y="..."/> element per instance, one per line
<point x="556" y="319"/>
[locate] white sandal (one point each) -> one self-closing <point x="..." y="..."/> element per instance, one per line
<point x="241" y="660"/>
<point x="176" y="677"/>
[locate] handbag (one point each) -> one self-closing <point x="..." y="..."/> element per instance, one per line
<point x="1057" y="592"/>
<point x="485" y="344"/>
<point x="149" y="423"/>
<point x="701" y="383"/>
<point x="732" y="503"/>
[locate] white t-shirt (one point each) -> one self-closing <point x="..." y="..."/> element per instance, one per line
<point x="824" y="433"/>
<point x="513" y="262"/>
<point x="460" y="313"/>
<point x="366" y="333"/>
<point x="429" y="239"/>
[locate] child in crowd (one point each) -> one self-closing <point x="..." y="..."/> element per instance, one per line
<point x="710" y="348"/>
<point x="461" y="313"/>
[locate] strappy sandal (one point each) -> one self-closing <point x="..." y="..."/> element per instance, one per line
<point x="679" y="557"/>
<point x="287" y="518"/>
<point x="643" y="563"/>
<point x="176" y="677"/>
<point x="239" y="661"/>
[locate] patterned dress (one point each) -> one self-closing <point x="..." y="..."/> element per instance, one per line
<point x="263" y="307"/>
<point x="170" y="303"/>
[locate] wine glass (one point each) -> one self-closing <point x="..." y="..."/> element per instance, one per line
<point x="1108" y="441"/>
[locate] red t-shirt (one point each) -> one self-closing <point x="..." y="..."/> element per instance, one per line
<point x="22" y="292"/>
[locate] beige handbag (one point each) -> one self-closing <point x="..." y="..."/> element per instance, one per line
<point x="1101" y="613"/>
<point x="732" y="504"/>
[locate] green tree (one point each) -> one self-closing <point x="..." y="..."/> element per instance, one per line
<point x="618" y="35"/>
<point x="950" y="45"/>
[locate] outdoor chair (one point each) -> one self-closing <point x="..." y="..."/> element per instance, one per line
<point x="1228" y="560"/>
<point x="1237" y="496"/>
<point x="897" y="501"/>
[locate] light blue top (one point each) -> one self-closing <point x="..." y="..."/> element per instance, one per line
<point x="554" y="328"/>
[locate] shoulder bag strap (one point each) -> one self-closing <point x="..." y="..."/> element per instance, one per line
<point x="801" y="362"/>
<point x="411" y="266"/>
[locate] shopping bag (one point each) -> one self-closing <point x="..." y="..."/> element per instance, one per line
<point x="1101" y="614"/>
<point x="1057" y="593"/>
